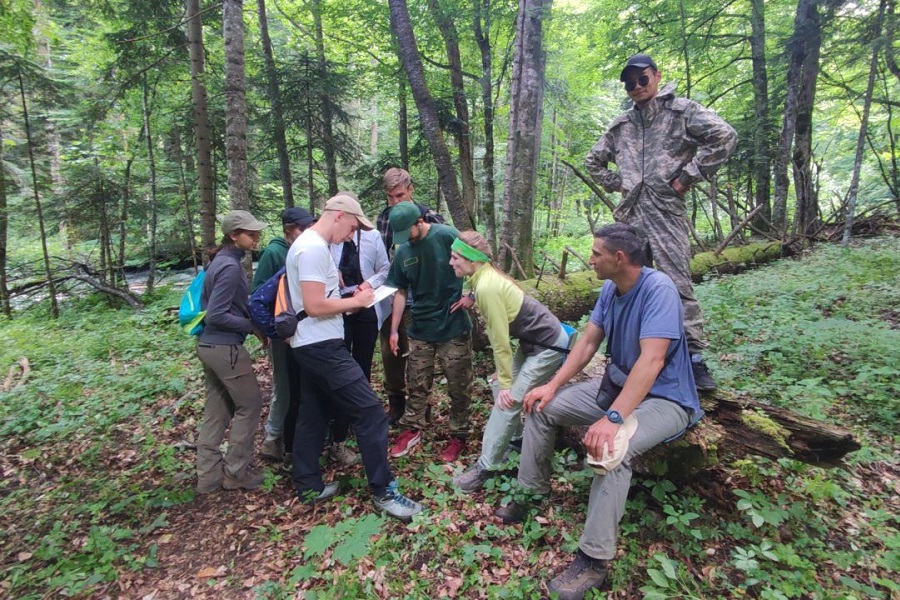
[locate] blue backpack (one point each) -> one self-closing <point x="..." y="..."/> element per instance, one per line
<point x="190" y="315"/>
<point x="271" y="308"/>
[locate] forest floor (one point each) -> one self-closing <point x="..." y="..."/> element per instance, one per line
<point x="97" y="493"/>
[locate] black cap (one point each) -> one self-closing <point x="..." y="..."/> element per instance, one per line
<point x="638" y="61"/>
<point x="297" y="216"/>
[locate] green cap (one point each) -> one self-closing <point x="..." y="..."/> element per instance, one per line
<point x="403" y="217"/>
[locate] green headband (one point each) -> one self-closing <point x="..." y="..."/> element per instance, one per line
<point x="467" y="251"/>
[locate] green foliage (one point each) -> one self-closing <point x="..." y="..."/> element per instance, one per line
<point x="349" y="539"/>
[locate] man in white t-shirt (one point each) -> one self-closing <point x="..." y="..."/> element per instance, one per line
<point x="330" y="376"/>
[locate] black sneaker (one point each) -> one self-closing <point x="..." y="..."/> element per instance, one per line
<point x="702" y="377"/>
<point x="585" y="573"/>
<point x="313" y="497"/>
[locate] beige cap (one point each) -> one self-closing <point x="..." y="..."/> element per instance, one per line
<point x="611" y="460"/>
<point x="347" y="202"/>
<point x="240" y="219"/>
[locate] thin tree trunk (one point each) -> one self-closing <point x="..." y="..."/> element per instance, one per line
<point x="284" y="161"/>
<point x="202" y="141"/>
<point x="5" y="305"/>
<point x="235" y="104"/>
<point x="482" y="26"/>
<point x="51" y="286"/>
<point x="685" y="36"/>
<point x="463" y="137"/>
<point x="328" y="143"/>
<point x="186" y="194"/>
<point x="412" y="63"/>
<point x="403" y="123"/>
<point x="807" y="210"/>
<point x="524" y="139"/>
<point x="760" y="164"/>
<point x="145" y="105"/>
<point x="861" y="141"/>
<point x="123" y="220"/>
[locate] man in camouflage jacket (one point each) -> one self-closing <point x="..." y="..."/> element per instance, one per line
<point x="661" y="147"/>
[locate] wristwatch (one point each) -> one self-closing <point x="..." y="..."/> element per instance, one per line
<point x="614" y="417"/>
<point x="471" y="296"/>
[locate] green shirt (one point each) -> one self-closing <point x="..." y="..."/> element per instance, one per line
<point x="423" y="267"/>
<point x="270" y="261"/>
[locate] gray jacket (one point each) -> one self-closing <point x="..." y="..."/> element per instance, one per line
<point x="225" y="299"/>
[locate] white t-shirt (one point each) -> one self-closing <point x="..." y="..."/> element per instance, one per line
<point x="309" y="259"/>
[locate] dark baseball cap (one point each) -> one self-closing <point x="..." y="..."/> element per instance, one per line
<point x="638" y="61"/>
<point x="297" y="216"/>
<point x="403" y="216"/>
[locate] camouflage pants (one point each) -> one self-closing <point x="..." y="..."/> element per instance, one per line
<point x="456" y="358"/>
<point x="670" y="246"/>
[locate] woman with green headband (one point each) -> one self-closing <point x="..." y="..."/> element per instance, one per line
<point x="508" y="313"/>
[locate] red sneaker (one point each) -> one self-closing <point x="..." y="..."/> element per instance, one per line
<point x="405" y="442"/>
<point x="452" y="450"/>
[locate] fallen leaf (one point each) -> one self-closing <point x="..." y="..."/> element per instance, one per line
<point x="23" y="556"/>
<point x="207" y="572"/>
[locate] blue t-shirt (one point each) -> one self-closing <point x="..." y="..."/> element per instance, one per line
<point x="651" y="309"/>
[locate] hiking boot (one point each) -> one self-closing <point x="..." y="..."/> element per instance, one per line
<point x="208" y="487"/>
<point x="405" y="442"/>
<point x="473" y="479"/>
<point x="313" y="497"/>
<point x="342" y="454"/>
<point x="272" y="448"/>
<point x="514" y="512"/>
<point x="453" y="449"/>
<point x="702" y="377"/>
<point x="250" y="480"/>
<point x="397" y="406"/>
<point x="585" y="573"/>
<point x="287" y="462"/>
<point x="396" y="505"/>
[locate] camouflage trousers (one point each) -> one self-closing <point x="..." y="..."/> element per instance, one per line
<point x="456" y="359"/>
<point x="670" y="248"/>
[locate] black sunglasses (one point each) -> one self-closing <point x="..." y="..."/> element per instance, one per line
<point x="643" y="80"/>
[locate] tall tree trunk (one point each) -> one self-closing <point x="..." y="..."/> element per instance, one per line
<point x="524" y="139"/>
<point x="328" y="143"/>
<point x="482" y="26"/>
<point x="760" y="164"/>
<point x="403" y="124"/>
<point x="807" y="210"/>
<point x="284" y="161"/>
<point x="463" y="136"/>
<point x="145" y="105"/>
<point x="235" y="104"/>
<point x="788" y="124"/>
<point x="202" y="142"/>
<point x="889" y="31"/>
<point x="412" y="63"/>
<point x="186" y="195"/>
<point x="685" y="36"/>
<point x="861" y="141"/>
<point x="123" y="220"/>
<point x="4" y="235"/>
<point x="51" y="286"/>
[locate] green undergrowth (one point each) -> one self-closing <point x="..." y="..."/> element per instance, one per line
<point x="96" y="489"/>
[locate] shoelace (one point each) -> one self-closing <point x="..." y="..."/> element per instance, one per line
<point x="392" y="493"/>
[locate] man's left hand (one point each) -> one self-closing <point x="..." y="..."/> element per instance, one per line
<point x="600" y="434"/>
<point x="679" y="187"/>
<point x="465" y="303"/>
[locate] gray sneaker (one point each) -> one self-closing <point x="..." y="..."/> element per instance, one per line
<point x="272" y="448"/>
<point x="342" y="454"/>
<point x="396" y="504"/>
<point x="473" y="478"/>
<point x="311" y="497"/>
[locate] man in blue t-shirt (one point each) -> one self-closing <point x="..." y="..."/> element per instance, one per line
<point x="647" y="396"/>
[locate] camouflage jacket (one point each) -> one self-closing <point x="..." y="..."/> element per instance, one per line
<point x="670" y="137"/>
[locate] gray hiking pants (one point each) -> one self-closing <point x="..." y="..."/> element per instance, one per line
<point x="577" y="404"/>
<point x="232" y="396"/>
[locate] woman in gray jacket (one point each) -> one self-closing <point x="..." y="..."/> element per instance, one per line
<point x="232" y="392"/>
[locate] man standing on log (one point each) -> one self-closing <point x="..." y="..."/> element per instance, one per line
<point x="647" y="396"/>
<point x="662" y="146"/>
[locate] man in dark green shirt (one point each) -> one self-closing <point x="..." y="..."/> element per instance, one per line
<point x="422" y="265"/>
